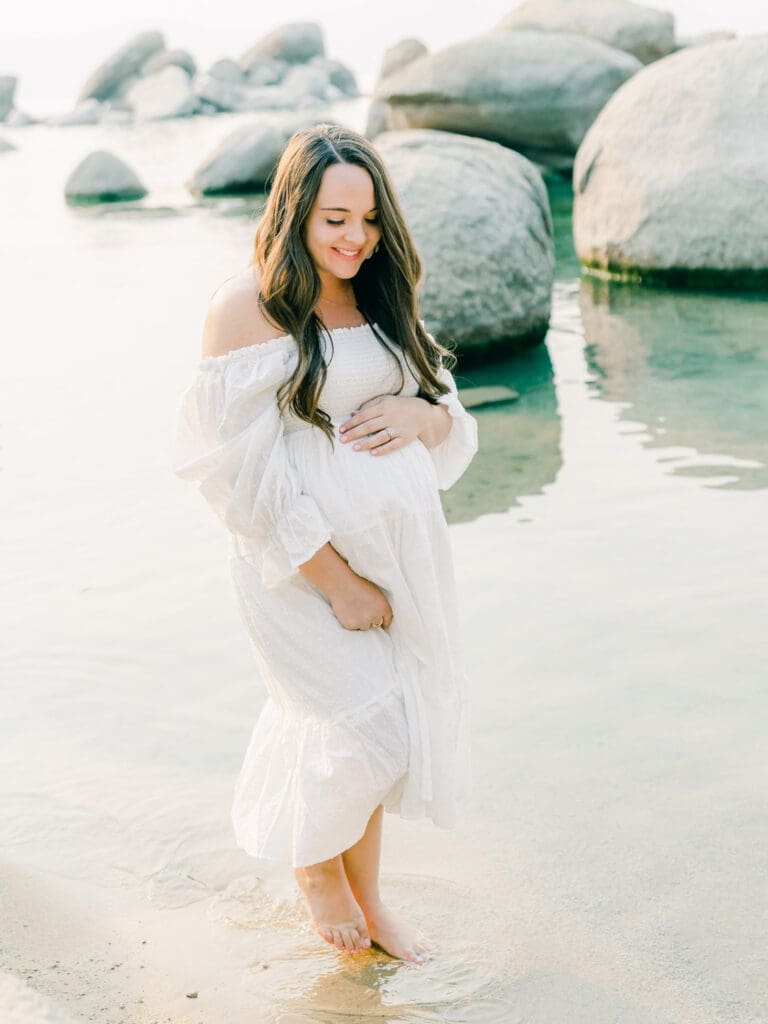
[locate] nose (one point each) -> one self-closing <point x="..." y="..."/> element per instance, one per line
<point x="355" y="236"/>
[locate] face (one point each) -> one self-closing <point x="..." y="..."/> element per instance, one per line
<point x="342" y="228"/>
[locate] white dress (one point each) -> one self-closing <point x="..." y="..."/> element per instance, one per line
<point x="353" y="718"/>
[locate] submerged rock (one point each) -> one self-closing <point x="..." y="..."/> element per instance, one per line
<point x="669" y="183"/>
<point x="103" y="177"/>
<point x="480" y="217"/>
<point x="537" y="92"/>
<point x="642" y="31"/>
<point x="126" y="62"/>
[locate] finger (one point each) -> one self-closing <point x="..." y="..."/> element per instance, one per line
<point x="362" y="426"/>
<point x="387" y="446"/>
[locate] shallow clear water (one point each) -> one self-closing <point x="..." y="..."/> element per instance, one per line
<point x="611" y="555"/>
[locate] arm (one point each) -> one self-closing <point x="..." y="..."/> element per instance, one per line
<point x="437" y="423"/>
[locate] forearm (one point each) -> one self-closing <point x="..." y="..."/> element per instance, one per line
<point x="327" y="570"/>
<point x="437" y="424"/>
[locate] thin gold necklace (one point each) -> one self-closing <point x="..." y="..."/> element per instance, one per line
<point x="333" y="303"/>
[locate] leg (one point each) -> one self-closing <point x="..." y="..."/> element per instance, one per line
<point x="361" y="864"/>
<point x="335" y="914"/>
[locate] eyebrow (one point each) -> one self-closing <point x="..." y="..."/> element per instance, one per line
<point x="343" y="209"/>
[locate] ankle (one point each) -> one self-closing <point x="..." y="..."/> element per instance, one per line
<point x="370" y="904"/>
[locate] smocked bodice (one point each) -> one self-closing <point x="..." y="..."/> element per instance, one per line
<point x="359" y="367"/>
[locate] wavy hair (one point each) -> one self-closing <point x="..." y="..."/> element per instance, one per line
<point x="385" y="286"/>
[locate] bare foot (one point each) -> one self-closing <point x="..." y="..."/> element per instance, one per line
<point x="397" y="937"/>
<point x="336" y="916"/>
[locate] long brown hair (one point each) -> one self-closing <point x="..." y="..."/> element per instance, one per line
<point x="385" y="285"/>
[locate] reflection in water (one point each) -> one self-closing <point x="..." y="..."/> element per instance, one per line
<point x="693" y="367"/>
<point x="519" y="450"/>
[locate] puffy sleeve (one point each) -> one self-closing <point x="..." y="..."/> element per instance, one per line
<point x="457" y="449"/>
<point x="229" y="438"/>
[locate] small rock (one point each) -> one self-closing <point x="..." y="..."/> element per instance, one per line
<point x="88" y="112"/>
<point x="103" y="177"/>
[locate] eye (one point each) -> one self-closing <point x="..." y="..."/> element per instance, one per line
<point x="372" y="220"/>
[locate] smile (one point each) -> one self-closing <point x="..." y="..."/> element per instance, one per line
<point x="348" y="254"/>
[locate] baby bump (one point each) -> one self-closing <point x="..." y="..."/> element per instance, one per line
<point x="355" y="488"/>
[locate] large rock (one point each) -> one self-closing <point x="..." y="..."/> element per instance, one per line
<point x="296" y="43"/>
<point x="310" y="80"/>
<point x="670" y="181"/>
<point x="7" y="90"/>
<point x="480" y="217"/>
<point x="537" y="92"/>
<point x="124" y="63"/>
<point x="266" y="71"/>
<point x="226" y="70"/>
<point x="395" y="57"/>
<point x="161" y="59"/>
<point x="243" y="161"/>
<point x="167" y="93"/>
<point x="399" y="55"/>
<point x="642" y="31"/>
<point x="339" y="74"/>
<point x="103" y="177"/>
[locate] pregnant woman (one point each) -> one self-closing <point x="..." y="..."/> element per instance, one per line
<point x="321" y="424"/>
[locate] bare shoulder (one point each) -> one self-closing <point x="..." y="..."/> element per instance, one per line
<point x="234" y="317"/>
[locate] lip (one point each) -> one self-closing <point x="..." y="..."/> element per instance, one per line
<point x="350" y="259"/>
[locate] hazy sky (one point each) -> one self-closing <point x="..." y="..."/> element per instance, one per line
<point x="53" y="46"/>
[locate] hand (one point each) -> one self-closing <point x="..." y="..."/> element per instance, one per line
<point x="404" y="417"/>
<point x="360" y="604"/>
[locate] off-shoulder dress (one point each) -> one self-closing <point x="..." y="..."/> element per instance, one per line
<point x="352" y="718"/>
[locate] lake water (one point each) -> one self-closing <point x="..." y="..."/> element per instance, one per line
<point x="611" y="553"/>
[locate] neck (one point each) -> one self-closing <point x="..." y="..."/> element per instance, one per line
<point x="336" y="292"/>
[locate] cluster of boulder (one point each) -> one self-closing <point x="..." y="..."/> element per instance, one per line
<point x="143" y="80"/>
<point x="647" y="126"/>
<point x="666" y="140"/>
